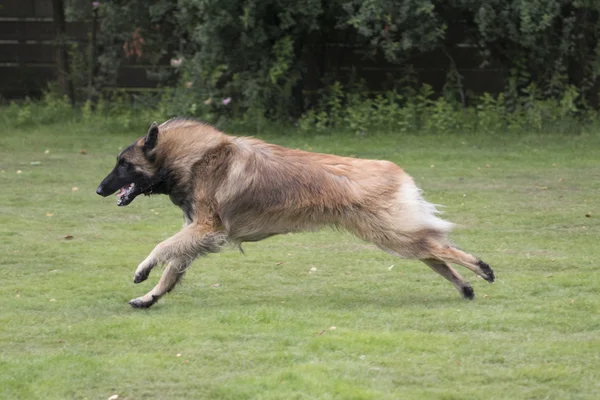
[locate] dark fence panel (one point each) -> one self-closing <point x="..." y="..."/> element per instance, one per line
<point x="27" y="53"/>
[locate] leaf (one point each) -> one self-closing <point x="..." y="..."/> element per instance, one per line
<point x="215" y="285"/>
<point x="49" y="214"/>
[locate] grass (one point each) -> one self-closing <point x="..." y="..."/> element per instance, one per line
<point x="265" y="332"/>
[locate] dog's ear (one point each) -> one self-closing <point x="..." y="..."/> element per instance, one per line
<point x="151" y="137"/>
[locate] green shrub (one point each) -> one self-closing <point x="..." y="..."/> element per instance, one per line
<point x="392" y="112"/>
<point x="339" y="108"/>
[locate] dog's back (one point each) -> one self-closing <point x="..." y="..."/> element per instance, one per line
<point x="271" y="190"/>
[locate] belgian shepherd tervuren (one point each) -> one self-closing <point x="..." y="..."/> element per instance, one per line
<point x="239" y="189"/>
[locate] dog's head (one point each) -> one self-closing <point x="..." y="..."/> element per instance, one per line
<point x="135" y="172"/>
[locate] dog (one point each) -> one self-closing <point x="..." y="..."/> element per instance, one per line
<point x="239" y="189"/>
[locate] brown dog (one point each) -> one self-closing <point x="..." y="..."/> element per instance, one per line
<point x="237" y="189"/>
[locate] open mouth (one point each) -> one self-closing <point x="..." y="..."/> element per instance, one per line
<point x="129" y="192"/>
<point x="126" y="194"/>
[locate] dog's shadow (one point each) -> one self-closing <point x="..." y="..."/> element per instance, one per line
<point x="343" y="300"/>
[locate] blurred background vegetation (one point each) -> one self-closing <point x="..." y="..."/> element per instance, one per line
<point x="391" y="65"/>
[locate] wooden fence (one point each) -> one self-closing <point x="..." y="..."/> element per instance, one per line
<point x="27" y="51"/>
<point x="27" y="61"/>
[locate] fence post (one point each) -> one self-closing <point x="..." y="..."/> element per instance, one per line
<point x="61" y="56"/>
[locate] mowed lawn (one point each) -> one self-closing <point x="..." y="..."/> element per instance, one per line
<point x="303" y="316"/>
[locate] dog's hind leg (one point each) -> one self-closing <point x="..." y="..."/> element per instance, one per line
<point x="463" y="287"/>
<point x="453" y="255"/>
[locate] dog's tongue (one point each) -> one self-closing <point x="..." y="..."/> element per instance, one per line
<point x="123" y="190"/>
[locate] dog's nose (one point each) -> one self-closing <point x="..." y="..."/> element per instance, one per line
<point x="99" y="190"/>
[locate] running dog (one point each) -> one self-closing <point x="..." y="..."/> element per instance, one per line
<point x="238" y="189"/>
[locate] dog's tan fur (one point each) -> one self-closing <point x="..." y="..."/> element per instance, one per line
<point x="238" y="189"/>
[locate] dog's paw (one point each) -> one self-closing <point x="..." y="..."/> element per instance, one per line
<point x="142" y="302"/>
<point x="468" y="292"/>
<point x="488" y="271"/>
<point x="141" y="276"/>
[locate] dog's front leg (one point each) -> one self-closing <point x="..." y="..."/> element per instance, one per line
<point x="178" y="251"/>
<point x="182" y="245"/>
<point x="143" y="270"/>
<point x="173" y="273"/>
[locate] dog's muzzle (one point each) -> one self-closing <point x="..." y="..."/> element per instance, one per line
<point x="100" y="191"/>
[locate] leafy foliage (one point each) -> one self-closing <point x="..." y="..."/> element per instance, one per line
<point x="273" y="59"/>
<point x="393" y="112"/>
<point x="339" y="108"/>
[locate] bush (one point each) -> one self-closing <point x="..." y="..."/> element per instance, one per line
<point x="392" y="112"/>
<point x="272" y="55"/>
<point x="339" y="108"/>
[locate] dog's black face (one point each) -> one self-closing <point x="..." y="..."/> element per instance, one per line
<point x="132" y="176"/>
<point x="128" y="179"/>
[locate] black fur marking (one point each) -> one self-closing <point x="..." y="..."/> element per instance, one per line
<point x="123" y="174"/>
<point x="467" y="292"/>
<point x="163" y="182"/>
<point x="141" y="277"/>
<point x="187" y="208"/>
<point x="137" y="303"/>
<point x="487" y="270"/>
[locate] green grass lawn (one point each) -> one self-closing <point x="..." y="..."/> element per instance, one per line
<point x="261" y="326"/>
